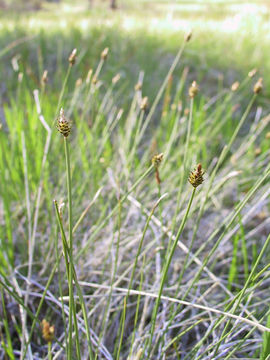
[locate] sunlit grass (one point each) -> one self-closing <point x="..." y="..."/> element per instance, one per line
<point x="150" y="267"/>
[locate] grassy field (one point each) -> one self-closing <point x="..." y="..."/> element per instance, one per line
<point x="115" y="242"/>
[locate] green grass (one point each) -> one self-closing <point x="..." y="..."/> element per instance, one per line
<point x="122" y="266"/>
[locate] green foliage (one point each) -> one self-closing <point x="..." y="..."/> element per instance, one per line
<point x="147" y="270"/>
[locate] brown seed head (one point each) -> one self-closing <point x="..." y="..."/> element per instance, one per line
<point x="193" y="90"/>
<point x="156" y="160"/>
<point x="72" y="57"/>
<point x="188" y="36"/>
<point x="235" y="86"/>
<point x="252" y="73"/>
<point x="47" y="331"/>
<point x="196" y="176"/>
<point x="258" y="86"/>
<point x="44" y="78"/>
<point x="104" y="53"/>
<point x="144" y="103"/>
<point x="267" y="136"/>
<point x="63" y="125"/>
<point x="257" y="151"/>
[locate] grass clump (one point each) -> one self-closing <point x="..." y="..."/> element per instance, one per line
<point x="148" y="270"/>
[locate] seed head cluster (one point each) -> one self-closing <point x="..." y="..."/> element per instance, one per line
<point x="47" y="331"/>
<point x="144" y="103"/>
<point x="258" y="86"/>
<point x="72" y="57"/>
<point x="156" y="160"/>
<point x="104" y="54"/>
<point x="193" y="90"/>
<point x="63" y="125"/>
<point x="196" y="176"/>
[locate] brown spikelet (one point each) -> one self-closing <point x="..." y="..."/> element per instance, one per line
<point x="188" y="36"/>
<point x="44" y="78"/>
<point x="63" y="125"/>
<point x="158" y="180"/>
<point x="47" y="331"/>
<point x="258" y="86"/>
<point x="104" y="53"/>
<point x="156" y="159"/>
<point x="144" y="103"/>
<point x="193" y="90"/>
<point x="72" y="57"/>
<point x="196" y="176"/>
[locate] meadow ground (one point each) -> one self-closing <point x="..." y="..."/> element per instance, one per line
<point x="103" y="236"/>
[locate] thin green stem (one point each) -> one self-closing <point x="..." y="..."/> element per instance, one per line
<point x="243" y="291"/>
<point x="67" y="256"/>
<point x="183" y="174"/>
<point x="124" y="197"/>
<point x="166" y="268"/>
<point x="122" y="328"/>
<point x="62" y="91"/>
<point x="49" y="350"/>
<point x="70" y="245"/>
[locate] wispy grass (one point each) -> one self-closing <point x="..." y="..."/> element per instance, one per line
<point x="146" y="271"/>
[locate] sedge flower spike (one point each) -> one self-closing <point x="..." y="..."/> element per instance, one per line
<point x="104" y="54"/>
<point x="156" y="160"/>
<point x="63" y="125"/>
<point x="196" y="176"/>
<point x="72" y="57"/>
<point x="258" y="86"/>
<point x="47" y="331"/>
<point x="193" y="90"/>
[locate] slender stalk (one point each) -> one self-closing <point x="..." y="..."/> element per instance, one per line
<point x="243" y="291"/>
<point x="183" y="174"/>
<point x="49" y="350"/>
<point x="166" y="268"/>
<point x="114" y="272"/>
<point x="63" y="90"/>
<point x="141" y="243"/>
<point x="70" y="245"/>
<point x="222" y="156"/>
<point x="122" y="328"/>
<point x="66" y="256"/>
<point x="161" y="90"/>
<point x="124" y="197"/>
<point x="137" y="311"/>
<point x="225" y="227"/>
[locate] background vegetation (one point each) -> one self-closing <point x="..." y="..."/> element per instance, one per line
<point x="122" y="223"/>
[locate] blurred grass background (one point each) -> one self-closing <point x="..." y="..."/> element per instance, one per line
<point x="230" y="38"/>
